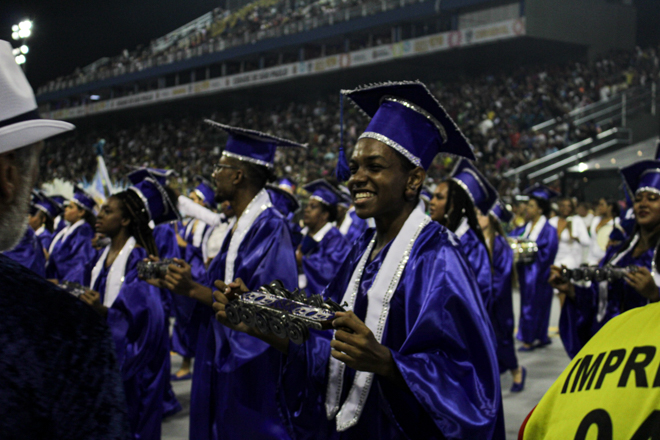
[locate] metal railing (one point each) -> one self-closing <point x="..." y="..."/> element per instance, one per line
<point x="614" y="110"/>
<point x="572" y="155"/>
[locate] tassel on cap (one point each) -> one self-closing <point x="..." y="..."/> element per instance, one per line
<point x="342" y="172"/>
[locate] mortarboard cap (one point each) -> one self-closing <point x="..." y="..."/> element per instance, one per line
<point x="346" y="199"/>
<point x="282" y="200"/>
<point x="252" y="146"/>
<point x="642" y="176"/>
<point x="205" y="191"/>
<point x="161" y="176"/>
<point x="324" y="192"/>
<point x="541" y="191"/>
<point x="480" y="191"/>
<point x="500" y="211"/>
<point x="42" y="202"/>
<point x="408" y="118"/>
<point x="426" y="194"/>
<point x="286" y="184"/>
<point x="82" y="199"/>
<point x="155" y="199"/>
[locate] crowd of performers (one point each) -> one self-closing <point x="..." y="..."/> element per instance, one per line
<point x="429" y="326"/>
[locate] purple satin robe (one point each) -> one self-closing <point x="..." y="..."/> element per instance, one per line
<point x="441" y="341"/>
<point x="501" y="308"/>
<point x="357" y="228"/>
<point x="234" y="379"/>
<point x="46" y="238"/>
<point x="323" y="261"/>
<point x="477" y="257"/>
<point x="71" y="254"/>
<point x="186" y="325"/>
<point x="578" y="321"/>
<point x="168" y="247"/>
<point x="29" y="252"/>
<point x="535" y="290"/>
<point x="137" y="325"/>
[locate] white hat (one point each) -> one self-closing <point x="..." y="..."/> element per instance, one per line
<point x="20" y="124"/>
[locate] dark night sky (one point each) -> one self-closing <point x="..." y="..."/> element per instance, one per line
<point x="72" y="33"/>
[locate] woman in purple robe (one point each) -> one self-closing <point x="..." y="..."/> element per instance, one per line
<point x="133" y="309"/>
<point x="589" y="306"/>
<point x="72" y="249"/>
<point x="454" y="206"/>
<point x="324" y="248"/>
<point x="414" y="358"/>
<point x="501" y="307"/>
<point x="535" y="290"/>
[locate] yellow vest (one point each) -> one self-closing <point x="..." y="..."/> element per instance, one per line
<point x="611" y="389"/>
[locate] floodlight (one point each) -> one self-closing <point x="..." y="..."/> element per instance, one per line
<point x="94" y="97"/>
<point x="14" y="28"/>
<point x="16" y="51"/>
<point x="25" y="25"/>
<point x="24" y="49"/>
<point x="15" y="36"/>
<point x="582" y="167"/>
<point x="20" y="59"/>
<point x="24" y="33"/>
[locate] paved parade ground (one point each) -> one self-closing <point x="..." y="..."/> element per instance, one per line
<point x="543" y="367"/>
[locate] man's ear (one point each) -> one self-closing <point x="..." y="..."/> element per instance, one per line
<point x="8" y="176"/>
<point x="416" y="179"/>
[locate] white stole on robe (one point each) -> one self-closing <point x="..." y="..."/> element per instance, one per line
<point x="116" y="274"/>
<point x="64" y="234"/>
<point x="533" y="234"/>
<point x="259" y="204"/>
<point x="380" y="294"/>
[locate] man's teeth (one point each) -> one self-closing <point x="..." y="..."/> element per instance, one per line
<point x="363" y="195"/>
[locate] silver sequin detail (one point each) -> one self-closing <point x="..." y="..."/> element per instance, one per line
<point x="389" y="142"/>
<point x="263" y="163"/>
<point x="356" y="286"/>
<point x="648" y="189"/>
<point x="378" y="333"/>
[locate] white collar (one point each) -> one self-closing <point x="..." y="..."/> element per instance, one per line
<point x="117" y="271"/>
<point x="348" y="221"/>
<point x="64" y="234"/>
<point x="321" y="232"/>
<point x="463" y="227"/>
<point x="259" y="204"/>
<point x="379" y="295"/>
<point x="40" y="231"/>
<point x="533" y="234"/>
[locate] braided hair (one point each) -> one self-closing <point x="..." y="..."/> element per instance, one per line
<point x="133" y="208"/>
<point x="460" y="205"/>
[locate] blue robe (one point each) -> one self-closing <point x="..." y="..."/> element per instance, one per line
<point x="357" y="228"/>
<point x="578" y="321"/>
<point x="441" y="342"/>
<point x="71" y="254"/>
<point x="233" y="389"/>
<point x="168" y="247"/>
<point x="29" y="252"/>
<point x="60" y="377"/>
<point x="137" y="325"/>
<point x="501" y="308"/>
<point x="186" y="325"/>
<point x="535" y="290"/>
<point x="322" y="261"/>
<point x="46" y="237"/>
<point x="477" y="257"/>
